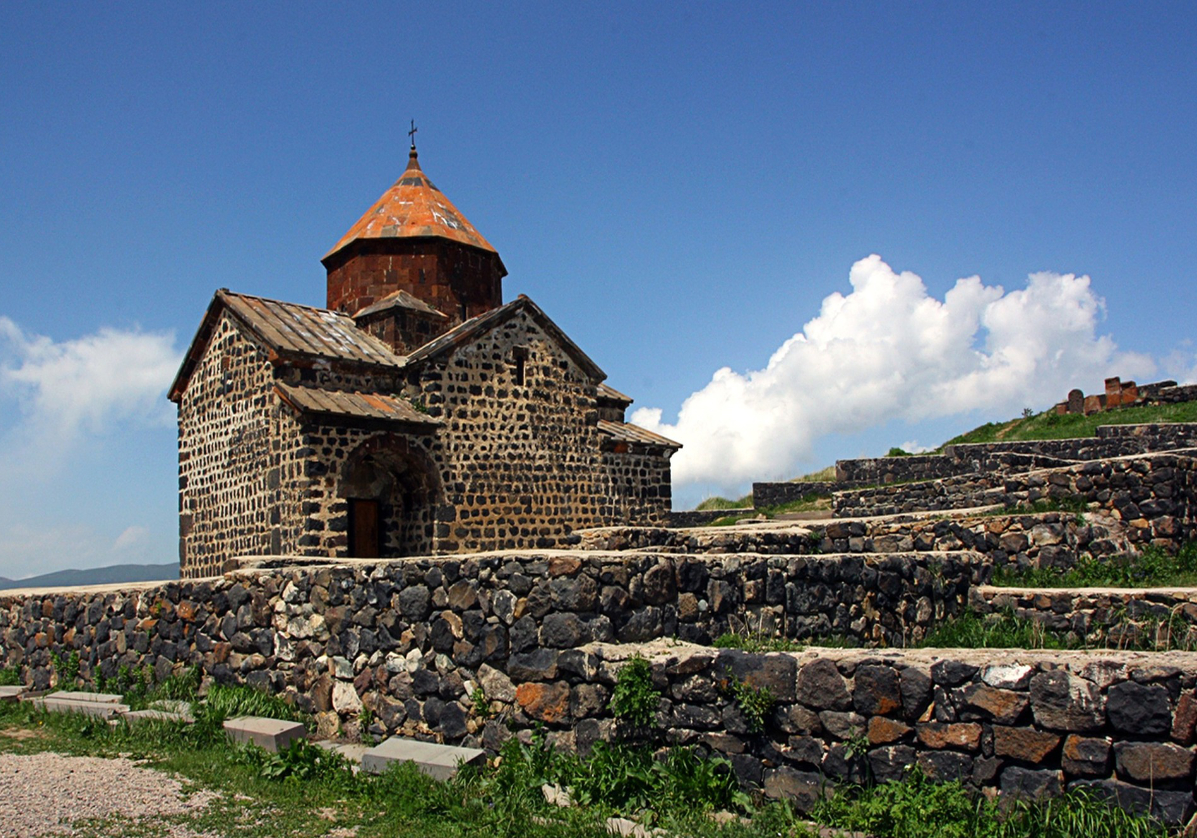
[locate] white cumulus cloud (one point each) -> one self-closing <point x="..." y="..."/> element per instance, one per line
<point x="888" y="350"/>
<point x="65" y="390"/>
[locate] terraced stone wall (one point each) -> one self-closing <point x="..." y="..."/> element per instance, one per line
<point x="412" y="639"/>
<point x="1152" y="496"/>
<point x="1148" y="619"/>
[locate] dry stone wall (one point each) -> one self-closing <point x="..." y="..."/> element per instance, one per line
<point x="285" y="627"/>
<point x="1150" y="496"/>
<point x="414" y="641"/>
<point x="1117" y="618"/>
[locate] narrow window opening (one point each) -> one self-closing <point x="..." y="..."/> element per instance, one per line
<point x="519" y="357"/>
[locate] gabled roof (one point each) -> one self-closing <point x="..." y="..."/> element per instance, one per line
<point x="467" y="331"/>
<point x="413" y="208"/>
<point x="625" y="432"/>
<point x="374" y="407"/>
<point x="398" y="299"/>
<point x="288" y="330"/>
<point x="613" y="396"/>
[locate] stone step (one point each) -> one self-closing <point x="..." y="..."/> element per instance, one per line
<point x="352" y="751"/>
<point x="158" y="715"/>
<point x="273" y="735"/>
<point x="12" y="693"/>
<point x="58" y="703"/>
<point x="437" y="761"/>
<point x="95" y="698"/>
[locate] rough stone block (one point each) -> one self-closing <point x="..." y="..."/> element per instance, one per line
<point x="1150" y="762"/>
<point x="57" y="703"/>
<point x="12" y="693"/>
<point x="158" y="715"/>
<point x="437" y="761"/>
<point x="95" y="698"/>
<point x="272" y="734"/>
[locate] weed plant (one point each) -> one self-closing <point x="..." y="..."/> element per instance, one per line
<point x="307" y="791"/>
<point x="1006" y="630"/>
<point x="1152" y="567"/>
<point x="10" y="676"/>
<point x="635" y="700"/>
<point x="918" y="807"/>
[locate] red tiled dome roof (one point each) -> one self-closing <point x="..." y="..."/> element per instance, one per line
<point x="413" y="207"/>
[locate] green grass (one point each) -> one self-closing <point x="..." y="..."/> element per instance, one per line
<point x="823" y="475"/>
<point x="725" y="503"/>
<point x="758" y="642"/>
<point x="1050" y="425"/>
<point x="970" y="630"/>
<point x="1006" y="630"/>
<point x="918" y="807"/>
<point x="307" y="792"/>
<point x="813" y="502"/>
<point x="1151" y="568"/>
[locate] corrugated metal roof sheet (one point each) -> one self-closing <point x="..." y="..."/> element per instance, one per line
<point x="355" y="405"/>
<point x="413" y="207"/>
<point x="289" y="328"/>
<point x="624" y="432"/>
<point x="611" y="394"/>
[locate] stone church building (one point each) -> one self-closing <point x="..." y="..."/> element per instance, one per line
<point x="417" y="414"/>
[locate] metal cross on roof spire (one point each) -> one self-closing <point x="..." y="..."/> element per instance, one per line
<point x="412" y="133"/>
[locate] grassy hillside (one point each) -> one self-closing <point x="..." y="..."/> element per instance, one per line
<point x="1049" y="425"/>
<point x="1046" y="425"/>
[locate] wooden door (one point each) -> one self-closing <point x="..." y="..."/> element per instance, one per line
<point x="365" y="534"/>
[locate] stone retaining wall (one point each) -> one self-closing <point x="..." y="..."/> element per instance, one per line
<point x="1117" y="618"/>
<point x="411" y="638"/>
<point x="1025" y="722"/>
<point x="702" y="517"/>
<point x="775" y="494"/>
<point x="1151" y="495"/>
<point x="1044" y="539"/>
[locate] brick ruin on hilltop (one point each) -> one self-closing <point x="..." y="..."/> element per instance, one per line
<point x="416" y="415"/>
<point x="1121" y="393"/>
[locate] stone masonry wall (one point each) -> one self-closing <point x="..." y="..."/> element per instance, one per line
<point x="410" y="638"/>
<point x="1044" y="539"/>
<point x="635" y="487"/>
<point x="514" y="465"/>
<point x="1151" y="495"/>
<point x="518" y="461"/>
<point x="1117" y="618"/>
<point x="225" y="427"/>
<point x="414" y="641"/>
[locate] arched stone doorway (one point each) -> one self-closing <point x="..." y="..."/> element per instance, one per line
<point x="391" y="491"/>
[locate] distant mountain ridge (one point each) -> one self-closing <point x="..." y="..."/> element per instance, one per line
<point x="113" y="574"/>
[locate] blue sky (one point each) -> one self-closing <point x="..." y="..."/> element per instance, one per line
<point x="680" y="187"/>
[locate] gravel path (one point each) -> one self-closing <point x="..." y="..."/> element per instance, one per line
<point x="43" y="794"/>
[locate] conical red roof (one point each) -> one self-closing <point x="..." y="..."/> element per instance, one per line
<point x="413" y="207"/>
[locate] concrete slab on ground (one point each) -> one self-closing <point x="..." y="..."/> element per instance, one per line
<point x="437" y="761"/>
<point x="352" y="751"/>
<point x="95" y="698"/>
<point x="272" y="734"/>
<point x="12" y="693"/>
<point x="56" y="703"/>
<point x="158" y="715"/>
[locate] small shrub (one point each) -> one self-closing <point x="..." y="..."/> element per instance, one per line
<point x="66" y="667"/>
<point x="635" y="700"/>
<point x="480" y="703"/>
<point x="10" y="676"/>
<point x="898" y="452"/>
<point x="754" y="702"/>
